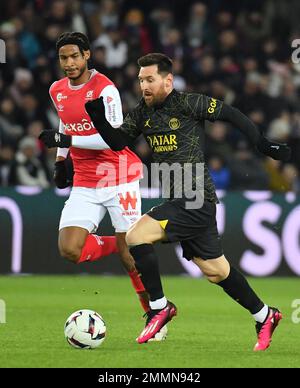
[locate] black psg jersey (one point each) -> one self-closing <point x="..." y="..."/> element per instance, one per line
<point x="174" y="131"/>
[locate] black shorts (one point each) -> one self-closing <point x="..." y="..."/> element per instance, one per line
<point x="195" y="229"/>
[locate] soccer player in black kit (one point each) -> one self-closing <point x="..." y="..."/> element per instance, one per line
<point x="173" y="124"/>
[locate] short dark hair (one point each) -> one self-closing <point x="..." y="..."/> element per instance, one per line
<point x="77" y="38"/>
<point x="163" y="62"/>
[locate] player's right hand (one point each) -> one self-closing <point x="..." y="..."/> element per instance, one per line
<point x="53" y="138"/>
<point x="60" y="175"/>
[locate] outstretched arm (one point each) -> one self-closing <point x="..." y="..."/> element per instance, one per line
<point x="248" y="128"/>
<point x="207" y="108"/>
<point x="113" y="114"/>
<point x="52" y="138"/>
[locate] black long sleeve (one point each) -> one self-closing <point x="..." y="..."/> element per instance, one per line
<point x="114" y="137"/>
<point x="240" y="121"/>
<point x="276" y="151"/>
<point x="198" y="107"/>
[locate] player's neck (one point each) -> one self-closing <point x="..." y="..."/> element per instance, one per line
<point x="82" y="79"/>
<point x="162" y="102"/>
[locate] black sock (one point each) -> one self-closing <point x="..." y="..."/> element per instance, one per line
<point x="237" y="287"/>
<point x="146" y="263"/>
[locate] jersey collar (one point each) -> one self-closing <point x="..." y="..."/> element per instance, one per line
<point x="77" y="87"/>
<point x="164" y="103"/>
<point x="166" y="100"/>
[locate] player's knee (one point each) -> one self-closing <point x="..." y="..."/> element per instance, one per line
<point x="214" y="270"/>
<point x="215" y="276"/>
<point x="70" y="253"/>
<point x="214" y="279"/>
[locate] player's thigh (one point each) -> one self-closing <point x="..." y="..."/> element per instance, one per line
<point x="82" y="210"/>
<point x="125" y="213"/>
<point x="71" y="238"/>
<point x="146" y="230"/>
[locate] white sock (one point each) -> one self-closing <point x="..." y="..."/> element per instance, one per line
<point x="262" y="314"/>
<point x="158" y="304"/>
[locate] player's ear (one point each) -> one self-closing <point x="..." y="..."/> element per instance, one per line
<point x="169" y="80"/>
<point x="87" y="54"/>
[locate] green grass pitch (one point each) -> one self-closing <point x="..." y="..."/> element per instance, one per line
<point x="209" y="331"/>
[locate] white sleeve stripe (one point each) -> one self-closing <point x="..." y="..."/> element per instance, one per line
<point x="92" y="142"/>
<point x="113" y="105"/>
<point x="62" y="151"/>
<point x="61" y="127"/>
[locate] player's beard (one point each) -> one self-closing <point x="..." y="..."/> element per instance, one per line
<point x="81" y="71"/>
<point x="158" y="98"/>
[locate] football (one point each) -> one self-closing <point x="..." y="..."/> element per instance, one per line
<point x="85" y="329"/>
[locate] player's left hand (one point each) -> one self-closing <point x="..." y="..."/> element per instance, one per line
<point x="96" y="111"/>
<point x="277" y="151"/>
<point x="60" y="175"/>
<point x="53" y="138"/>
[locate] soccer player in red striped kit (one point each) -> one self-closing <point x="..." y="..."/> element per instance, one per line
<point x="103" y="179"/>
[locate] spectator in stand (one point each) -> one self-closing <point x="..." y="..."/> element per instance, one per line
<point x="216" y="142"/>
<point x="115" y="47"/>
<point x="282" y="178"/>
<point x="26" y="168"/>
<point x="10" y="129"/>
<point x="198" y="29"/>
<point x="233" y="51"/>
<point x="219" y="172"/>
<point x="247" y="171"/>
<point x="6" y="158"/>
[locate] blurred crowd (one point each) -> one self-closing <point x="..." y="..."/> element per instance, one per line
<point x="236" y="51"/>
